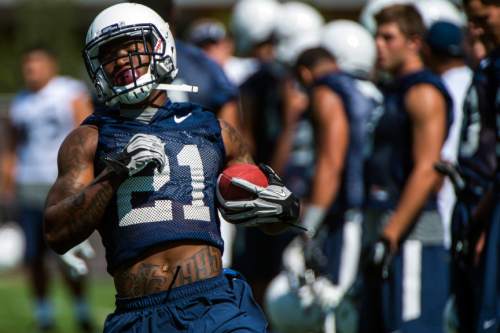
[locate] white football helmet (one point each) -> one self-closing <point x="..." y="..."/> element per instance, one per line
<point x="298" y="28"/>
<point x="440" y="10"/>
<point x="352" y="46"/>
<point x="253" y="22"/>
<point x="372" y="8"/>
<point x="137" y="21"/>
<point x="299" y="301"/>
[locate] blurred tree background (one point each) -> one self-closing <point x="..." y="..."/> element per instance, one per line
<point x="49" y="22"/>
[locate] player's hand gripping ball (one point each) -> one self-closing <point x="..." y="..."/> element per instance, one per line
<point x="255" y="196"/>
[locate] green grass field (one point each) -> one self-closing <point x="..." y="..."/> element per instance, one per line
<point x="16" y="305"/>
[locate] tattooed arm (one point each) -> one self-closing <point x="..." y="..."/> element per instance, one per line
<point x="237" y="150"/>
<point x="77" y="201"/>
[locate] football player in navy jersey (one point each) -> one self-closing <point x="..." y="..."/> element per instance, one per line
<point x="476" y="167"/>
<point x="340" y="114"/>
<point x="402" y="184"/>
<point x="487" y="212"/>
<point x="143" y="172"/>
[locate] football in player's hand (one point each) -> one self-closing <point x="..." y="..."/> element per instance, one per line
<point x="248" y="172"/>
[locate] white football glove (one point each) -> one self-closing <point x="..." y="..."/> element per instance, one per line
<point x="74" y="259"/>
<point x="141" y="150"/>
<point x="273" y="204"/>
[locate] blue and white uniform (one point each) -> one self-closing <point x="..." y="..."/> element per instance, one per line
<point x="155" y="208"/>
<point x="343" y="220"/>
<point x="412" y="299"/>
<point x="42" y="120"/>
<point x="476" y="160"/>
<point x="215" y="90"/>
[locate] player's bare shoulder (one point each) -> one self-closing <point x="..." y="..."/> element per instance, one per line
<point x="237" y="150"/>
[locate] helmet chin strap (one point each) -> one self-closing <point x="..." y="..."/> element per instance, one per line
<point x="177" y="87"/>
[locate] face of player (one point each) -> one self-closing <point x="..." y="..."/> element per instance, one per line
<point x="477" y="15"/>
<point x="38" y="68"/>
<point x="478" y="42"/>
<point x="392" y="47"/>
<point x="493" y="23"/>
<point x="125" y="60"/>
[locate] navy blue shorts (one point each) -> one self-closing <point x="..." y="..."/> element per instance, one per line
<point x="415" y="295"/>
<point x="216" y="305"/>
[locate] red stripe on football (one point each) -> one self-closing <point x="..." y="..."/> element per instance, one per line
<point x="248" y="172"/>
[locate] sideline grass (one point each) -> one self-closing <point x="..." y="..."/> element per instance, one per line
<point x="16" y="304"/>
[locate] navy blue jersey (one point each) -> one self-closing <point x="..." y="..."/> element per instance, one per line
<point x="196" y="68"/>
<point x="391" y="160"/>
<point x="155" y="208"/>
<point x="358" y="107"/>
<point x="476" y="153"/>
<point x="492" y="69"/>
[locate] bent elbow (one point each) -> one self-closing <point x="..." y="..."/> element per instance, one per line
<point x="53" y="237"/>
<point x="55" y="243"/>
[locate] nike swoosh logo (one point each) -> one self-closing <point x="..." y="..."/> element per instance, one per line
<point x="179" y="120"/>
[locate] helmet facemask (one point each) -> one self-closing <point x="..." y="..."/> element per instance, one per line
<point x="129" y="87"/>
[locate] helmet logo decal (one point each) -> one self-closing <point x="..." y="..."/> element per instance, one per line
<point x="158" y="45"/>
<point x="110" y="28"/>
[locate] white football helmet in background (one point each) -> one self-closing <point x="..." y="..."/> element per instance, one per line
<point x="298" y="28"/>
<point x="372" y="8"/>
<point x="137" y="21"/>
<point x="440" y="10"/>
<point x="299" y="301"/>
<point x="253" y="22"/>
<point x="12" y="244"/>
<point x="352" y="46"/>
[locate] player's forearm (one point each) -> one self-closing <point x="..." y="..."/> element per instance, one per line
<point x="419" y="186"/>
<point x="72" y="220"/>
<point x="284" y="147"/>
<point x="326" y="183"/>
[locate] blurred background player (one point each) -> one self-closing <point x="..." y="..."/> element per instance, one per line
<point x="486" y="216"/>
<point x="473" y="175"/>
<point x="339" y="113"/>
<point x="41" y="116"/>
<point x="402" y="184"/>
<point x="211" y="36"/>
<point x="444" y="54"/>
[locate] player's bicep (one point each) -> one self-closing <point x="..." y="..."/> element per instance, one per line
<point x="427" y="109"/>
<point x="333" y="125"/>
<point x="235" y="145"/>
<point x="75" y="164"/>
